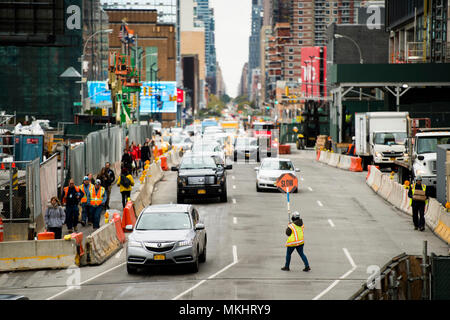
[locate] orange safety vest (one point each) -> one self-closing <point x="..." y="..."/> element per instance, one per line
<point x="84" y="199"/>
<point x="296" y="237"/>
<point x="96" y="197"/>
<point x="66" y="190"/>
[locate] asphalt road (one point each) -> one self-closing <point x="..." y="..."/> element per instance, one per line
<point x="348" y="228"/>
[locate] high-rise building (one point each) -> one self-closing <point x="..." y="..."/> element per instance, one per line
<point x="221" y="89"/>
<point x="167" y="9"/>
<point x="243" y="84"/>
<point x="204" y="13"/>
<point x="254" y="59"/>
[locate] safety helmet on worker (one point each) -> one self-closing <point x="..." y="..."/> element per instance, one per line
<point x="419" y="178"/>
<point x="295" y="216"/>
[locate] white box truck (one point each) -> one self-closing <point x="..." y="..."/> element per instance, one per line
<point x="380" y="137"/>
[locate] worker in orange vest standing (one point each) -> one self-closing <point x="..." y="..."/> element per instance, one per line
<point x="97" y="202"/>
<point x="71" y="198"/>
<point x="295" y="241"/>
<point x="85" y="201"/>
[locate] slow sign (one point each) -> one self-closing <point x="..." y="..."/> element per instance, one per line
<point x="287" y="180"/>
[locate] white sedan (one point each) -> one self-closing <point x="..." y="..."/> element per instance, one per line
<point x="270" y="170"/>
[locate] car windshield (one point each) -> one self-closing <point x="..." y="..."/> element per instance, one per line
<point x="246" y="142"/>
<point x="164" y="221"/>
<point x="197" y="163"/>
<point x="277" y="165"/>
<point x="390" y="138"/>
<point x="429" y="144"/>
<point x="199" y="147"/>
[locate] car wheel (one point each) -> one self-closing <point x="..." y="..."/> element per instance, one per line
<point x="180" y="199"/>
<point x="296" y="190"/>
<point x="258" y="159"/>
<point x="194" y="266"/>
<point x="131" y="269"/>
<point x="202" y="257"/>
<point x="224" y="197"/>
<point x="258" y="189"/>
<point x="235" y="157"/>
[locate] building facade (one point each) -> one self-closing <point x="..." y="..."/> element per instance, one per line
<point x="254" y="56"/>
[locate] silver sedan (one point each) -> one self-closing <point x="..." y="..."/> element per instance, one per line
<point x="270" y="170"/>
<point x="167" y="235"/>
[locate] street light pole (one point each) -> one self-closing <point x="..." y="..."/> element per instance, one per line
<point x="338" y="36"/>
<point x="82" y="60"/>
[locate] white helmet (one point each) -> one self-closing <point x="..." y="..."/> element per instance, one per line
<point x="295" y="215"/>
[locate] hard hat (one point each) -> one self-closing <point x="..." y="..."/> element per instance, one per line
<point x="295" y="215"/>
<point x="353" y="138"/>
<point x="86" y="178"/>
<point x="98" y="181"/>
<point x="418" y="178"/>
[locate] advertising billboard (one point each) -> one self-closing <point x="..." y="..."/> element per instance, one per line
<point x="99" y="93"/>
<point x="163" y="97"/>
<point x="313" y="76"/>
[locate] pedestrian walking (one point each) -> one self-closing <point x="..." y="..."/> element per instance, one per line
<point x="97" y="201"/>
<point x="134" y="156"/>
<point x="295" y="241"/>
<point x="126" y="160"/>
<point x="146" y="154"/>
<point x="139" y="157"/>
<point x="418" y="200"/>
<point x="54" y="217"/>
<point x="85" y="189"/>
<point x="107" y="177"/>
<point x="71" y="198"/>
<point x="125" y="182"/>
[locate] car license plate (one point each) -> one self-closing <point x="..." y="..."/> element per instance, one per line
<point x="201" y="191"/>
<point x="159" y="257"/>
<point x="392" y="159"/>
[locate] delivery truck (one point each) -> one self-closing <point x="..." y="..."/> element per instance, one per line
<point x="380" y="137"/>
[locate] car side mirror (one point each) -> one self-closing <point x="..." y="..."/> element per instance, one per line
<point x="199" y="226"/>
<point x="229" y="167"/>
<point x="297" y="170"/>
<point x="420" y="157"/>
<point x="174" y="169"/>
<point x="129" y="227"/>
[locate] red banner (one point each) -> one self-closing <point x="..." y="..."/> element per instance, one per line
<point x="312" y="80"/>
<point x="180" y="95"/>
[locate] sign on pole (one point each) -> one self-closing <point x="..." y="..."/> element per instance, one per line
<point x="287" y="183"/>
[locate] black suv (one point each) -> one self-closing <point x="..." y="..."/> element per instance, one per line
<point x="201" y="176"/>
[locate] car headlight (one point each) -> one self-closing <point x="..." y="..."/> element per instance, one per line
<point x="132" y="243"/>
<point x="405" y="155"/>
<point x="185" y="243"/>
<point x="221" y="179"/>
<point x="420" y="172"/>
<point x="182" y="181"/>
<point x="378" y="154"/>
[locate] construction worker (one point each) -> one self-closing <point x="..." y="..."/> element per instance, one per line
<point x="351" y="148"/>
<point x="329" y="144"/>
<point x="97" y="202"/>
<point x="85" y="189"/>
<point x="418" y="200"/>
<point x="295" y="241"/>
<point x="71" y="198"/>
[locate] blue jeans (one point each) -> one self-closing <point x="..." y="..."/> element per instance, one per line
<point x="86" y="214"/>
<point x="96" y="213"/>
<point x="299" y="249"/>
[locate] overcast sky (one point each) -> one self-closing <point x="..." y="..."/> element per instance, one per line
<point x="233" y="23"/>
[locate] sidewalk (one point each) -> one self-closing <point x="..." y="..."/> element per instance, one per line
<point x="115" y="204"/>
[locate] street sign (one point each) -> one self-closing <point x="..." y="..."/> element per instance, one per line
<point x="77" y="104"/>
<point x="287" y="183"/>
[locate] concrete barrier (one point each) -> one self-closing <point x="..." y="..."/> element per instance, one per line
<point x="34" y="254"/>
<point x="406" y="207"/>
<point x="371" y="176"/>
<point x="433" y="213"/>
<point x="376" y="184"/>
<point x="396" y="196"/>
<point x="334" y="160"/>
<point x="442" y="229"/>
<point x="323" y="156"/>
<point x="102" y="244"/>
<point x="345" y="162"/>
<point x="386" y="187"/>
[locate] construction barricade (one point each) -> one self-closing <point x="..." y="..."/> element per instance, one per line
<point x="442" y="229"/>
<point x="102" y="244"/>
<point x="129" y="216"/>
<point x="344" y="162"/>
<point x="334" y="160"/>
<point x="284" y="149"/>
<point x="318" y="155"/>
<point x="386" y="187"/>
<point x="356" y="164"/>
<point x="163" y="161"/>
<point x="432" y="213"/>
<point x="376" y="183"/>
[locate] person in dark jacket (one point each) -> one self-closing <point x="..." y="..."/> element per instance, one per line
<point x="145" y="153"/>
<point x="127" y="160"/>
<point x="295" y="241"/>
<point x="418" y="195"/>
<point x="107" y="177"/>
<point x="71" y="198"/>
<point x="54" y="217"/>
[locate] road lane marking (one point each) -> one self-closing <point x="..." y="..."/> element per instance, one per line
<point x="235" y="260"/>
<point x="331" y="223"/>
<point x="234" y="220"/>
<point x="319" y="203"/>
<point x="86" y="281"/>
<point x="310" y="189"/>
<point x="234" y="201"/>
<point x="232" y="177"/>
<point x="234" y="187"/>
<point x="345" y="275"/>
<point x="119" y="253"/>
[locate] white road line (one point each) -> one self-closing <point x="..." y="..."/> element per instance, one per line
<point x="234" y="220"/>
<point x="86" y="281"/>
<point x="234" y="201"/>
<point x="331" y="223"/>
<point x="119" y="253"/>
<point x="234" y="187"/>
<point x="235" y="260"/>
<point x="310" y="189"/>
<point x="345" y="275"/>
<point x="232" y="177"/>
<point x="319" y="203"/>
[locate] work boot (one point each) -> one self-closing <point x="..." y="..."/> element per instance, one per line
<point x="416" y="228"/>
<point x="422" y="229"/>
<point x="285" y="269"/>
<point x="70" y="231"/>
<point x="83" y="223"/>
<point x="75" y="229"/>
<point x="307" y="269"/>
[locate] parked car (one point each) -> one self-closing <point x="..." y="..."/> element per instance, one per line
<point x="199" y="176"/>
<point x="246" y="148"/>
<point x="270" y="170"/>
<point x="167" y="234"/>
<point x="13" y="297"/>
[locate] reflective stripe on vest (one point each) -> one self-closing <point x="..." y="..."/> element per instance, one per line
<point x="424" y="188"/>
<point x="296" y="237"/>
<point x="84" y="199"/>
<point x="97" y="197"/>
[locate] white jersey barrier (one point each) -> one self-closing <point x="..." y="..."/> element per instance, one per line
<point x="433" y="212"/>
<point x="323" y="156"/>
<point x="376" y="179"/>
<point x="102" y="244"/>
<point x="386" y="186"/>
<point x="345" y="162"/>
<point x="334" y="160"/>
